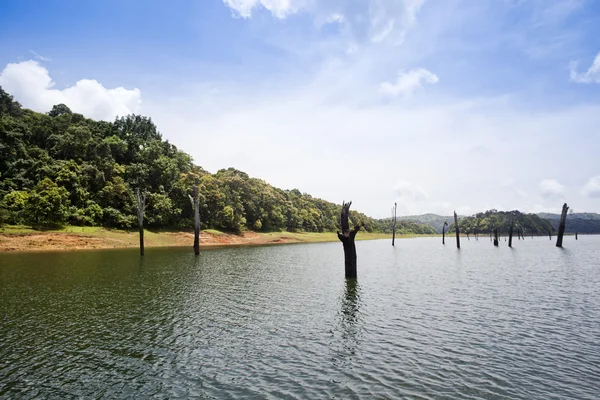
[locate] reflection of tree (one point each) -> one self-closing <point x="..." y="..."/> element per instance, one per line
<point x="350" y="316"/>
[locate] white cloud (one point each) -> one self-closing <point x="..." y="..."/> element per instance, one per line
<point x="592" y="75"/>
<point x="279" y="8"/>
<point x="408" y="82"/>
<point x="366" y="20"/>
<point x="551" y="188"/>
<point x="592" y="187"/>
<point x="39" y="56"/>
<point x="458" y="151"/>
<point x="407" y="191"/>
<point x="33" y="87"/>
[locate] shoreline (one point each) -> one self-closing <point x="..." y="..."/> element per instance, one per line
<point x="15" y="239"/>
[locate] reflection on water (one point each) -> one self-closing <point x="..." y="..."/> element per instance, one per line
<point x="422" y="321"/>
<point x="350" y="302"/>
<point x="350" y="321"/>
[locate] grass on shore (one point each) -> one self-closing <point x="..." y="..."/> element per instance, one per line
<point x="24" y="238"/>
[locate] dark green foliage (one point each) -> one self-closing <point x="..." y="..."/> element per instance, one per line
<point x="47" y="204"/>
<point x="61" y="167"/>
<point x="59" y="109"/>
<point x="404" y="227"/>
<point x="486" y="222"/>
<point x="576" y="222"/>
<point x="433" y="220"/>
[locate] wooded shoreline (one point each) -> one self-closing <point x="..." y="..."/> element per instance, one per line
<point x="17" y="239"/>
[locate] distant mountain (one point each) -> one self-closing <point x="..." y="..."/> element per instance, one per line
<point x="483" y="222"/>
<point x="433" y="220"/>
<point x="405" y="227"/>
<point x="576" y="222"/>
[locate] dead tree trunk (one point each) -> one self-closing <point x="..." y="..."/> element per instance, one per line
<point x="495" y="236"/>
<point x="394" y="225"/>
<point x="141" y="206"/>
<point x="347" y="238"/>
<point x="561" y="225"/>
<point x="457" y="230"/>
<point x="575" y="235"/>
<point x="550" y="234"/>
<point x="510" y="232"/>
<point x="444" y="232"/>
<point x="196" y="207"/>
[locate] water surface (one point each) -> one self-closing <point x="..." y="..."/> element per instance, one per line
<point x="422" y="321"/>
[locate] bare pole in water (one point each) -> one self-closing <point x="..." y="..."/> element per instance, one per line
<point x="495" y="236"/>
<point x="140" y="206"/>
<point x="444" y="232"/>
<point x="510" y="230"/>
<point x="394" y="224"/>
<point x="457" y="231"/>
<point x="196" y="207"/>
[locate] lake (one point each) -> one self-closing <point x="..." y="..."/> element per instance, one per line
<point x="422" y="321"/>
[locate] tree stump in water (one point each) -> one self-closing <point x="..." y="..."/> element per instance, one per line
<point x="394" y="225"/>
<point x="457" y="231"/>
<point x="510" y="231"/>
<point x="561" y="225"/>
<point x="140" y="206"/>
<point x="444" y="232"/>
<point x="347" y="238"/>
<point x="575" y="235"/>
<point x="196" y="207"/>
<point x="496" y="237"/>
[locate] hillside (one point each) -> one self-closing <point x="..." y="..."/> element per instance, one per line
<point x="405" y="227"/>
<point x="576" y="222"/>
<point x="484" y="222"/>
<point x="434" y="221"/>
<point x="62" y="168"/>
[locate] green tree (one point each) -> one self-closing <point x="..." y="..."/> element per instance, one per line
<point x="14" y="204"/>
<point x="59" y="109"/>
<point x="47" y="204"/>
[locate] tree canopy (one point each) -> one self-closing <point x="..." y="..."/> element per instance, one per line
<point x="486" y="222"/>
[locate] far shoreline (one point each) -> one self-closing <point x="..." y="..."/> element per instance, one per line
<point x="17" y="239"/>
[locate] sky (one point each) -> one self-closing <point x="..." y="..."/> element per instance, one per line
<point x="438" y="105"/>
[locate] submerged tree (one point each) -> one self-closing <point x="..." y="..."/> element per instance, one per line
<point x="394" y="224"/>
<point x="510" y="230"/>
<point x="457" y="230"/>
<point x="140" y="199"/>
<point x="347" y="238"/>
<point x="561" y="225"/>
<point x="444" y="232"/>
<point x="196" y="208"/>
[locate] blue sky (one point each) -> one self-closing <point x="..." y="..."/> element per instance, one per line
<point x="295" y="91"/>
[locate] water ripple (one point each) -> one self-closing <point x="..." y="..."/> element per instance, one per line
<point x="423" y="321"/>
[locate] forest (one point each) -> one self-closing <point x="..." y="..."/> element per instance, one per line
<point x="61" y="168"/>
<point x="485" y="222"/>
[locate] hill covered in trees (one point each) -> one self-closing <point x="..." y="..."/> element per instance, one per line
<point x="62" y="168"/>
<point x="576" y="222"/>
<point x="434" y="221"/>
<point x="485" y="222"/>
